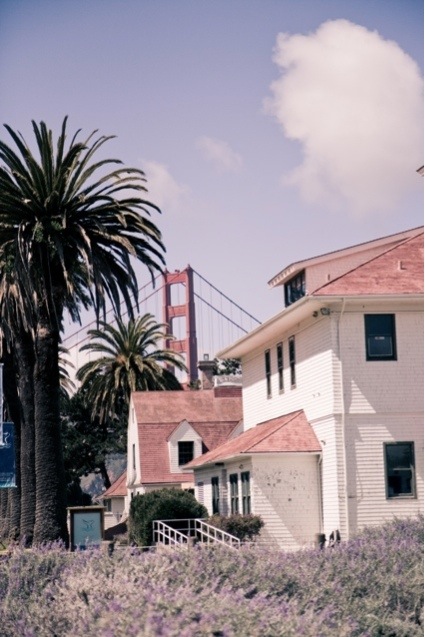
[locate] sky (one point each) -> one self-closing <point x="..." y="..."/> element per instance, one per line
<point x="270" y="131"/>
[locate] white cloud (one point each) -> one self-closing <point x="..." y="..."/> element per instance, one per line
<point x="355" y="103"/>
<point x="220" y="154"/>
<point x="163" y="189"/>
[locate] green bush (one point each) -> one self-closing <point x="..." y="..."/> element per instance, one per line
<point x="244" y="527"/>
<point x="163" y="504"/>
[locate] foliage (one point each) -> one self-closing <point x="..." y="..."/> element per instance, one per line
<point x="71" y="228"/>
<point x="129" y="359"/>
<point x="227" y="367"/>
<point x="162" y="504"/>
<point x="87" y="441"/>
<point x="371" y="586"/>
<point x="244" y="527"/>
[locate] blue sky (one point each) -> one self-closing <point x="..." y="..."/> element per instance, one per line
<point x="260" y="148"/>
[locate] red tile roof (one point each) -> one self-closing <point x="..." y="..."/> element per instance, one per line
<point x="118" y="488"/>
<point x="208" y="405"/>
<point x="285" y="434"/>
<point x="213" y="415"/>
<point x="398" y="270"/>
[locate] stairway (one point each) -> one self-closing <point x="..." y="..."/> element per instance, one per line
<point x="190" y="532"/>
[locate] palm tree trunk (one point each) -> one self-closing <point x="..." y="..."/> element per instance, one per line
<point x="13" y="414"/>
<point x="104" y="473"/>
<point x="50" y="514"/>
<point x="4" y="496"/>
<point x="24" y="369"/>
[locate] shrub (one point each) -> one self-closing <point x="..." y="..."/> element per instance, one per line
<point x="163" y="504"/>
<point x="370" y="586"/>
<point x="244" y="527"/>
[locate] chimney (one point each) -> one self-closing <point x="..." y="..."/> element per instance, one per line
<point x="206" y="367"/>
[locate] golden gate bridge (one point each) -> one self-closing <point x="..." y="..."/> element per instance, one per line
<point x="201" y="319"/>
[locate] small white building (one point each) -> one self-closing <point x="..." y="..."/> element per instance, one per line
<point x="341" y="366"/>
<point x="168" y="429"/>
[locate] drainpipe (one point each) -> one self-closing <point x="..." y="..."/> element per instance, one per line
<point x="320" y="483"/>
<point x="343" y="411"/>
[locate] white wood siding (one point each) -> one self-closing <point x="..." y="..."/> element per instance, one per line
<point x="204" y="493"/>
<point x="314" y="367"/>
<point x="365" y="438"/>
<point x="329" y="433"/>
<point x="383" y="386"/>
<point x="133" y="475"/>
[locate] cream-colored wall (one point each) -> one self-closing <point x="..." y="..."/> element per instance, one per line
<point x="287" y="496"/>
<point x="284" y="492"/>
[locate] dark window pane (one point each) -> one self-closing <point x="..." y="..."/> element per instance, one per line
<point x="400" y="469"/>
<point x="215" y="486"/>
<point x="380" y="336"/>
<point x="185" y="452"/>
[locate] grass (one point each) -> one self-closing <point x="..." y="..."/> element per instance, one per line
<point x="371" y="586"/>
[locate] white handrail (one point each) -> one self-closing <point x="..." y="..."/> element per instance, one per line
<point x="163" y="532"/>
<point x="195" y="529"/>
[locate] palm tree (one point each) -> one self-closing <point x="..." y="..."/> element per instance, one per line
<point x="130" y="359"/>
<point x="70" y="230"/>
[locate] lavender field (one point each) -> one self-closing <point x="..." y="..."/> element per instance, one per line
<point x="371" y="586"/>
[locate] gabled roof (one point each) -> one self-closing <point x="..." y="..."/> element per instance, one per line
<point x="207" y="405"/>
<point x="291" y="433"/>
<point x="118" y="488"/>
<point x="398" y="270"/>
<point x="376" y="244"/>
<point x="213" y="414"/>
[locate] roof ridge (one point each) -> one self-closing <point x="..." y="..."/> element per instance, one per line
<point x="374" y="258"/>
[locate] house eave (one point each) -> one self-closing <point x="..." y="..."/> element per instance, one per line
<point x="303" y="309"/>
<point x="251" y="455"/>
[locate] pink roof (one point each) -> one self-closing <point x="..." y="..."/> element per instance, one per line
<point x="212" y="414"/>
<point x="398" y="270"/>
<point x="208" y="405"/>
<point x="118" y="488"/>
<point x="285" y="434"/>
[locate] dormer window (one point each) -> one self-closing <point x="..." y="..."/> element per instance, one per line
<point x="185" y="451"/>
<point x="295" y="288"/>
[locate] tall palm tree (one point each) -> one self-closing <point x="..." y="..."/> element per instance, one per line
<point x="129" y="359"/>
<point x="70" y="230"/>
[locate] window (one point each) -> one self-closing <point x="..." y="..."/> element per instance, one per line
<point x="185" y="451"/>
<point x="234" y="493"/>
<point x="134" y="457"/>
<point x="291" y="347"/>
<point x="200" y="486"/>
<point x="295" y="288"/>
<point x="268" y="373"/>
<point x="107" y="503"/>
<point x="279" y="354"/>
<point x="215" y="487"/>
<point x="380" y="337"/>
<point x="400" y="469"/>
<point x="246" y="493"/>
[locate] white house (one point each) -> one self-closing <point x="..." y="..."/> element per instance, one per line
<point x="333" y="397"/>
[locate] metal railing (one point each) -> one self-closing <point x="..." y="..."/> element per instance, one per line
<point x="191" y="531"/>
